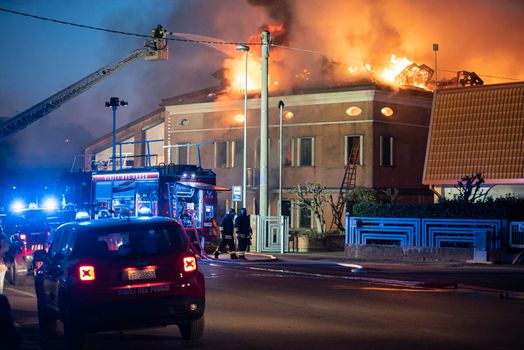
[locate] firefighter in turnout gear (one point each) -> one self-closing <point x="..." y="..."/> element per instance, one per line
<point x="227" y="228"/>
<point x="243" y="230"/>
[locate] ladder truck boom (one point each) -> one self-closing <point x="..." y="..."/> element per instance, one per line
<point x="150" y="51"/>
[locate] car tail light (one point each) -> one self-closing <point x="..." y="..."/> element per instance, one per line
<point x="190" y="264"/>
<point x="87" y="273"/>
<point x="23" y="236"/>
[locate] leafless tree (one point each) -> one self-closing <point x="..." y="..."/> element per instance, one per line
<point x="312" y="196"/>
<point x="470" y="190"/>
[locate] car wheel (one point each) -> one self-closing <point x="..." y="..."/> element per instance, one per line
<point x="74" y="338"/>
<point x="46" y="322"/>
<point x="17" y="273"/>
<point x="192" y="330"/>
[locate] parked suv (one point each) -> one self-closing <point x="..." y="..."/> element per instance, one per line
<point x="27" y="230"/>
<point x="115" y="274"/>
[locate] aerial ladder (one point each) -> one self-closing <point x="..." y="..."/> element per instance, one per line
<point x="348" y="183"/>
<point x="154" y="49"/>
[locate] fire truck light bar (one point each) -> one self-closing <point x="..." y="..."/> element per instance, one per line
<point x="126" y="176"/>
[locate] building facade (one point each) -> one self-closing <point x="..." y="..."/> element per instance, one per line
<point x="319" y="130"/>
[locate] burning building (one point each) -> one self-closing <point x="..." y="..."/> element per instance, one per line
<point x="356" y="87"/>
<point x="320" y="126"/>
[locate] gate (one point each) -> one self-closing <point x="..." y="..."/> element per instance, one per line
<point x="272" y="234"/>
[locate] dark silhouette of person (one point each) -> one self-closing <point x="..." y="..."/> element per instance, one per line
<point x="185" y="218"/>
<point x="243" y="230"/>
<point x="10" y="339"/>
<point x="227" y="227"/>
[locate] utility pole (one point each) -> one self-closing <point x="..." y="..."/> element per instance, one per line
<point x="281" y="110"/>
<point x="266" y="38"/>
<point x="435" y="48"/>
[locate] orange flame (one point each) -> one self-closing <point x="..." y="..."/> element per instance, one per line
<point x="394" y="68"/>
<point x="397" y="71"/>
<point x="235" y="73"/>
<point x="391" y="72"/>
<point x="235" y="68"/>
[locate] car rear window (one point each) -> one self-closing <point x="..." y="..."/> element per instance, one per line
<point x="34" y="221"/>
<point x="131" y="243"/>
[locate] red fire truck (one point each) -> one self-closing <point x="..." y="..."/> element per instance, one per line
<point x="184" y="192"/>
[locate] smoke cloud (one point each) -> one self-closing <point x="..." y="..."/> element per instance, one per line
<point x="322" y="40"/>
<point x="484" y="36"/>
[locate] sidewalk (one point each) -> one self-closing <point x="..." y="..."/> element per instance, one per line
<point x="505" y="280"/>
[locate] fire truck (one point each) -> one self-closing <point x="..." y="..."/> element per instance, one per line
<point x="187" y="193"/>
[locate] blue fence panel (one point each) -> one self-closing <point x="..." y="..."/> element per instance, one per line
<point x="516" y="234"/>
<point x="435" y="231"/>
<point x="423" y="232"/>
<point x="362" y="228"/>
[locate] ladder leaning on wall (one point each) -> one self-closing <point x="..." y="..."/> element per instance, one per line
<point x="348" y="183"/>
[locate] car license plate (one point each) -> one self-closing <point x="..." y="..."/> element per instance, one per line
<point x="141" y="274"/>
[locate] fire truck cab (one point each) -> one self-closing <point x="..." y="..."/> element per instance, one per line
<point x="185" y="192"/>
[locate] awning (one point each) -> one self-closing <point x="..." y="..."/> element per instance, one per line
<point x="202" y="186"/>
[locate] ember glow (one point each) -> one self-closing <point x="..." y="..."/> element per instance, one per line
<point x="239" y="118"/>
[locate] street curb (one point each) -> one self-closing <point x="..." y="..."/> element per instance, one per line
<point x="440" y="284"/>
<point x="503" y="294"/>
<point x="508" y="294"/>
<point x="267" y="256"/>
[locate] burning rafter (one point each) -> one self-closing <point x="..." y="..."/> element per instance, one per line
<point x="466" y="78"/>
<point x="463" y="78"/>
<point x="415" y="75"/>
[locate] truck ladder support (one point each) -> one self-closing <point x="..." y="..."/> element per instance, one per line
<point x="29" y="116"/>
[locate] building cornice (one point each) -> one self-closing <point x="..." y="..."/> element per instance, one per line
<point x="303" y="100"/>
<point x="288" y="126"/>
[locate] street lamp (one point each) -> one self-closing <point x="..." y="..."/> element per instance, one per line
<point x="244" y="48"/>
<point x="114" y="102"/>
<point x="281" y="110"/>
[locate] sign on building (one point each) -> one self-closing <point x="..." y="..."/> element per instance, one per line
<point x="237" y="193"/>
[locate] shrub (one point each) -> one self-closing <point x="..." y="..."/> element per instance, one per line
<point x="501" y="208"/>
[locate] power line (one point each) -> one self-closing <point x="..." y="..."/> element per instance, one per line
<point x="74" y="24"/>
<point x="360" y="58"/>
<point x="208" y="42"/>
<point x="484" y="75"/>
<point x="211" y="42"/>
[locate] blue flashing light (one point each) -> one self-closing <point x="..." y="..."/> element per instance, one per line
<point x="17" y="205"/>
<point x="82" y="215"/>
<point x="145" y="211"/>
<point x="50" y="203"/>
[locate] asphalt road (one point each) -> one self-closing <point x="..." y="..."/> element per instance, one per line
<point x="315" y="305"/>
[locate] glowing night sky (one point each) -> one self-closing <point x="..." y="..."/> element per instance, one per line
<point x="39" y="58"/>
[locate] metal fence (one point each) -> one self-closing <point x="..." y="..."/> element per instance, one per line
<point x="418" y="232"/>
<point x="516" y="234"/>
<point x="272" y="234"/>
